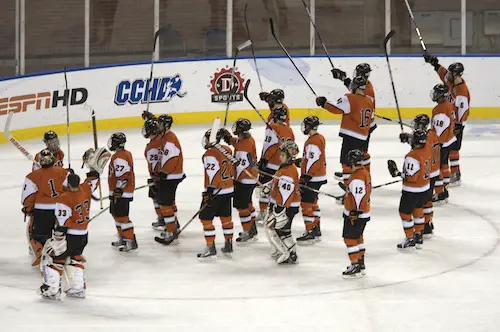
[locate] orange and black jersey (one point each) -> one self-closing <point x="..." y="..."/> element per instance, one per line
<point x="314" y="158"/>
<point x="357" y="112"/>
<point x="172" y="160"/>
<point x="284" y="192"/>
<point x="152" y="154"/>
<point x="121" y="173"/>
<point x="58" y="156"/>
<point x="359" y="190"/>
<point x="243" y="149"/>
<point x="370" y="93"/>
<point x="275" y="135"/>
<point x="72" y="207"/>
<point x="443" y="121"/>
<point x="287" y="120"/>
<point x="459" y="96"/>
<point x="416" y="170"/>
<point x="218" y="171"/>
<point x="432" y="144"/>
<point x="43" y="186"/>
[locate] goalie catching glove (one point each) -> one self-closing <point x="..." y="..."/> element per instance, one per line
<point x="393" y="168"/>
<point x="96" y="159"/>
<point x="56" y="245"/>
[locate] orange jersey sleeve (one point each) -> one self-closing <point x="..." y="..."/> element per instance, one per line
<point x="277" y="134"/>
<point x="218" y="171"/>
<point x="121" y="173"/>
<point x="42" y="187"/>
<point x="58" y="156"/>
<point x="314" y="158"/>
<point x="359" y="189"/>
<point x="370" y="93"/>
<point x="244" y="149"/>
<point x="416" y="171"/>
<point x="152" y="154"/>
<point x="461" y="101"/>
<point x="172" y="159"/>
<point x="284" y="192"/>
<point x="442" y="74"/>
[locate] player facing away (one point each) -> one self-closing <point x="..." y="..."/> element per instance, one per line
<point x="245" y="177"/>
<point x="63" y="252"/>
<point x="276" y="134"/>
<point x="422" y="122"/>
<point x="41" y="189"/>
<point x="356" y="213"/>
<point x="416" y="186"/>
<point x="216" y="198"/>
<point x="460" y="97"/>
<point x="443" y="123"/>
<point x="312" y="174"/>
<point x="275" y="99"/>
<point x="51" y="141"/>
<point x="121" y="182"/>
<point x="357" y="111"/>
<point x="285" y="202"/>
<point x="170" y="174"/>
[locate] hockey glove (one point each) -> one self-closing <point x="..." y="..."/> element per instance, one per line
<point x="147" y="115"/>
<point x="304" y="179"/>
<point x="338" y="74"/>
<point x="57" y="244"/>
<point x="70" y="170"/>
<point x="347" y="83"/>
<point x="393" y="168"/>
<point x="263" y="96"/>
<point x="117" y="193"/>
<point x="353" y="215"/>
<point x="162" y="176"/>
<point x="321" y="102"/>
<point x="459" y="129"/>
<point x="263" y="164"/>
<point x="208" y="196"/>
<point x="27" y="210"/>
<point x="298" y="162"/>
<point x="153" y="189"/>
<point x="405" y="137"/>
<point x="226" y="135"/>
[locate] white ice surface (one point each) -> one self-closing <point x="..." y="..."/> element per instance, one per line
<point x="450" y="285"/>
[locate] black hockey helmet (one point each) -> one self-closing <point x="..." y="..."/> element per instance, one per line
<point x="363" y="69"/>
<point x="289" y="148"/>
<point x="205" y="141"/>
<point x="279" y="114"/>
<point x="355" y="157"/>
<point x="51" y="141"/>
<point x="150" y="128"/>
<point x="358" y="82"/>
<point x="439" y="92"/>
<point x="421" y="121"/>
<point x="46" y="158"/>
<point x="241" y="126"/>
<point x="310" y="123"/>
<point x="456" y="69"/>
<point x="73" y="181"/>
<point x="117" y="140"/>
<point x="418" y="138"/>
<point x="166" y="121"/>
<point x="275" y="97"/>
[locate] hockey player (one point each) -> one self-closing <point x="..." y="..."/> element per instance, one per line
<point x="41" y="189"/>
<point x="313" y="174"/>
<point x="416" y="185"/>
<point x="170" y="174"/>
<point x="443" y="123"/>
<point x="244" y="184"/>
<point x="276" y="134"/>
<point x="356" y="213"/>
<point x="357" y="113"/>
<point x="52" y="144"/>
<point x="422" y="122"/>
<point x="63" y="252"/>
<point x="460" y="97"/>
<point x="285" y="202"/>
<point x="275" y="99"/>
<point x="216" y="198"/>
<point x="121" y="181"/>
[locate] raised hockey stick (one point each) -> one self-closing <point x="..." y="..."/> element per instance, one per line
<point x="289" y="56"/>
<point x="236" y="51"/>
<point x="94" y="130"/>
<point x="245" y="94"/>
<point x="67" y="117"/>
<point x="251" y="46"/>
<point x="422" y="44"/>
<point x="389" y="119"/>
<point x="14" y="141"/>
<point x="386" y="40"/>
<point x="155" y="38"/>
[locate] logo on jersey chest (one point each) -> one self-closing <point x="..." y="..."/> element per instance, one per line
<point x="227" y="86"/>
<point x="161" y="90"/>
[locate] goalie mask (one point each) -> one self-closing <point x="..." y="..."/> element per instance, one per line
<point x="51" y="141"/>
<point x="46" y="158"/>
<point x="96" y="159"/>
<point x="289" y="150"/>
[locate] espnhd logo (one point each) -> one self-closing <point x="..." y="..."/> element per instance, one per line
<point x="162" y="90"/>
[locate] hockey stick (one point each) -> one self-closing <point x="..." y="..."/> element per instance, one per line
<point x="135" y="189"/>
<point x="389" y="119"/>
<point x="100" y="212"/>
<point x="251" y="46"/>
<point x="424" y="48"/>
<point x="14" y="141"/>
<point x="342" y="185"/>
<point x="245" y="94"/>
<point x="386" y="40"/>
<point x="236" y="51"/>
<point x="155" y="38"/>
<point x="94" y="129"/>
<point x="289" y="56"/>
<point x="67" y="117"/>
<point x="317" y="34"/>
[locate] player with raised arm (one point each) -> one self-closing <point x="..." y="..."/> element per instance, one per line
<point x="244" y="184"/>
<point x="41" y="189"/>
<point x="460" y="97"/>
<point x="416" y="186"/>
<point x="356" y="213"/>
<point x="275" y="99"/>
<point x="51" y="141"/>
<point x="285" y="202"/>
<point x="313" y="174"/>
<point x="121" y="182"/>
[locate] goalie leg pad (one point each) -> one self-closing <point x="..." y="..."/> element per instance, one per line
<point x="76" y="277"/>
<point x="51" y="287"/>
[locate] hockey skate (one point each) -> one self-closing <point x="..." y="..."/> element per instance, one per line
<point x="362" y="267"/>
<point x="167" y="238"/>
<point x="292" y="259"/>
<point x="227" y="250"/>
<point x="353" y="271"/>
<point x="307" y="238"/>
<point x="247" y="237"/>
<point x="428" y="230"/>
<point x="80" y="293"/>
<point x="317" y="232"/>
<point x="339" y="176"/>
<point x="407" y="244"/>
<point x="129" y="245"/>
<point x="441" y="199"/>
<point x="419" y="240"/>
<point x="159" y="224"/>
<point x="120" y="242"/>
<point x="455" y="180"/>
<point x="210" y="254"/>
<point x="49" y="293"/>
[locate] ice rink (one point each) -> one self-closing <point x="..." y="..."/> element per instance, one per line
<point x="452" y="284"/>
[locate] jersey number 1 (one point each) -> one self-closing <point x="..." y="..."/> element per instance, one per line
<point x="365" y="118"/>
<point x="53" y="191"/>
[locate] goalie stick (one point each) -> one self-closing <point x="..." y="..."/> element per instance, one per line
<point x="386" y="40"/>
<point x="67" y="117"/>
<point x="14" y="141"/>
<point x="94" y="130"/>
<point x="251" y="46"/>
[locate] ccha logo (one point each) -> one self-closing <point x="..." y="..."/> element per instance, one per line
<point x="227" y="86"/>
<point x="43" y="100"/>
<point x="162" y="90"/>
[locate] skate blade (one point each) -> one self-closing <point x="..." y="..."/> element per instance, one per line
<point x="419" y="246"/>
<point x="407" y="249"/>
<point x="306" y="243"/>
<point x="428" y="236"/>
<point x="158" y="228"/>
<point x="455" y="184"/>
<point x="207" y="259"/>
<point x="122" y="249"/>
<point x="76" y="295"/>
<point x="246" y="243"/>
<point x="363" y="272"/>
<point x="163" y="241"/>
<point x="352" y="276"/>
<point x="228" y="254"/>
